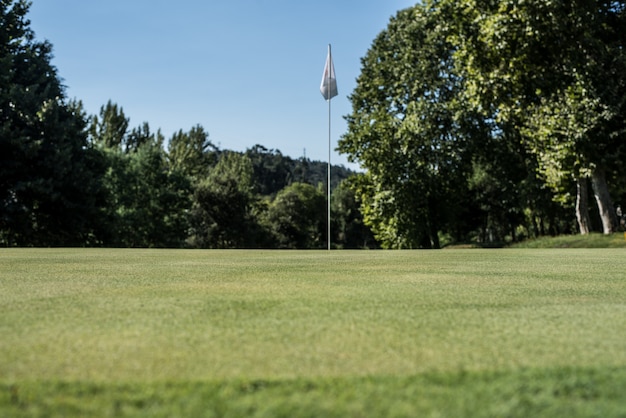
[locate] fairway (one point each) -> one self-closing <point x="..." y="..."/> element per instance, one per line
<point x="113" y="332"/>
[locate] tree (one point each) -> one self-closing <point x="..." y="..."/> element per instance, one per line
<point x="272" y="170"/>
<point x="140" y="136"/>
<point x="556" y="71"/>
<point x="297" y="217"/>
<point x="407" y="129"/>
<point x="348" y="228"/>
<point x="474" y="114"/>
<point x="148" y="204"/>
<point x="223" y="214"/>
<point x="50" y="190"/>
<point x="192" y="153"/>
<point x="110" y="128"/>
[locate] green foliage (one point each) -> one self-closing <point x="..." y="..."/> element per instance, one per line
<point x="140" y="136"/>
<point x="297" y="217"/>
<point x="67" y="179"/>
<point x="475" y="121"/>
<point x="192" y="153"/>
<point x="147" y="199"/>
<point x="553" y="71"/>
<point x="147" y="202"/>
<point x="473" y="117"/>
<point x="109" y="130"/>
<point x="408" y="131"/>
<point x="224" y="203"/>
<point x="512" y="332"/>
<point x="49" y="175"/>
<point x="272" y="171"/>
<point x="347" y="219"/>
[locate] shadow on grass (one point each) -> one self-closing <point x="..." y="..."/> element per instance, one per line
<point x="522" y="393"/>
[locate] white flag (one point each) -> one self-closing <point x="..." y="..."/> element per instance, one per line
<point x="329" y="82"/>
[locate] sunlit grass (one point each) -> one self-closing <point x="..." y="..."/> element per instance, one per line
<point x="283" y="329"/>
<point x="595" y="240"/>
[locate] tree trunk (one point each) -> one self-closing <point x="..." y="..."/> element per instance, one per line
<point x="434" y="239"/>
<point x="582" y="207"/>
<point x="603" y="199"/>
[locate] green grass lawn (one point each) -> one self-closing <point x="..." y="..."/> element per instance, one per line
<point x="594" y="240"/>
<point x="481" y="333"/>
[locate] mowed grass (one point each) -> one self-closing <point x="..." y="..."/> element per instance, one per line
<point x="593" y="240"/>
<point x="511" y="332"/>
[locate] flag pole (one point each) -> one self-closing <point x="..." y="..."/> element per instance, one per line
<point x="329" y="146"/>
<point x="329" y="90"/>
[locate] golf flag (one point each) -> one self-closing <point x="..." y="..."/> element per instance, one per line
<point x="329" y="82"/>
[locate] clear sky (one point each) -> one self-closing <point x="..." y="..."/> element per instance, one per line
<point x="248" y="71"/>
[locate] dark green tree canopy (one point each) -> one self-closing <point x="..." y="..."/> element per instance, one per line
<point x="192" y="153"/>
<point x="297" y="216"/>
<point x="49" y="188"/>
<point x="67" y="178"/>
<point x="109" y="129"/>
<point x="407" y="130"/>
<point x="458" y="101"/>
<point x="556" y="72"/>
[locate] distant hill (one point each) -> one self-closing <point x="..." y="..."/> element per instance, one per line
<point x="273" y="171"/>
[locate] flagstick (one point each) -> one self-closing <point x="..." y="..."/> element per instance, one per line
<point x="329" y="167"/>
<point x="329" y="146"/>
<point x="329" y="90"/>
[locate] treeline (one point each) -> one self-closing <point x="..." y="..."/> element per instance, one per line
<point x="72" y="179"/>
<point x="189" y="193"/>
<point x="492" y="121"/>
<point x="100" y="183"/>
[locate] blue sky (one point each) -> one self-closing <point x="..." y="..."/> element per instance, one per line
<point x="248" y="71"/>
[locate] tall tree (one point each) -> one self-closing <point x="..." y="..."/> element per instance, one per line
<point x="223" y="213"/>
<point x="147" y="202"/>
<point x="192" y="153"/>
<point x="109" y="129"/>
<point x="467" y="110"/>
<point x="405" y="131"/>
<point x="49" y="174"/>
<point x="557" y="71"/>
<point x="297" y="217"/>
<point x="348" y="228"/>
<point x="272" y="170"/>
